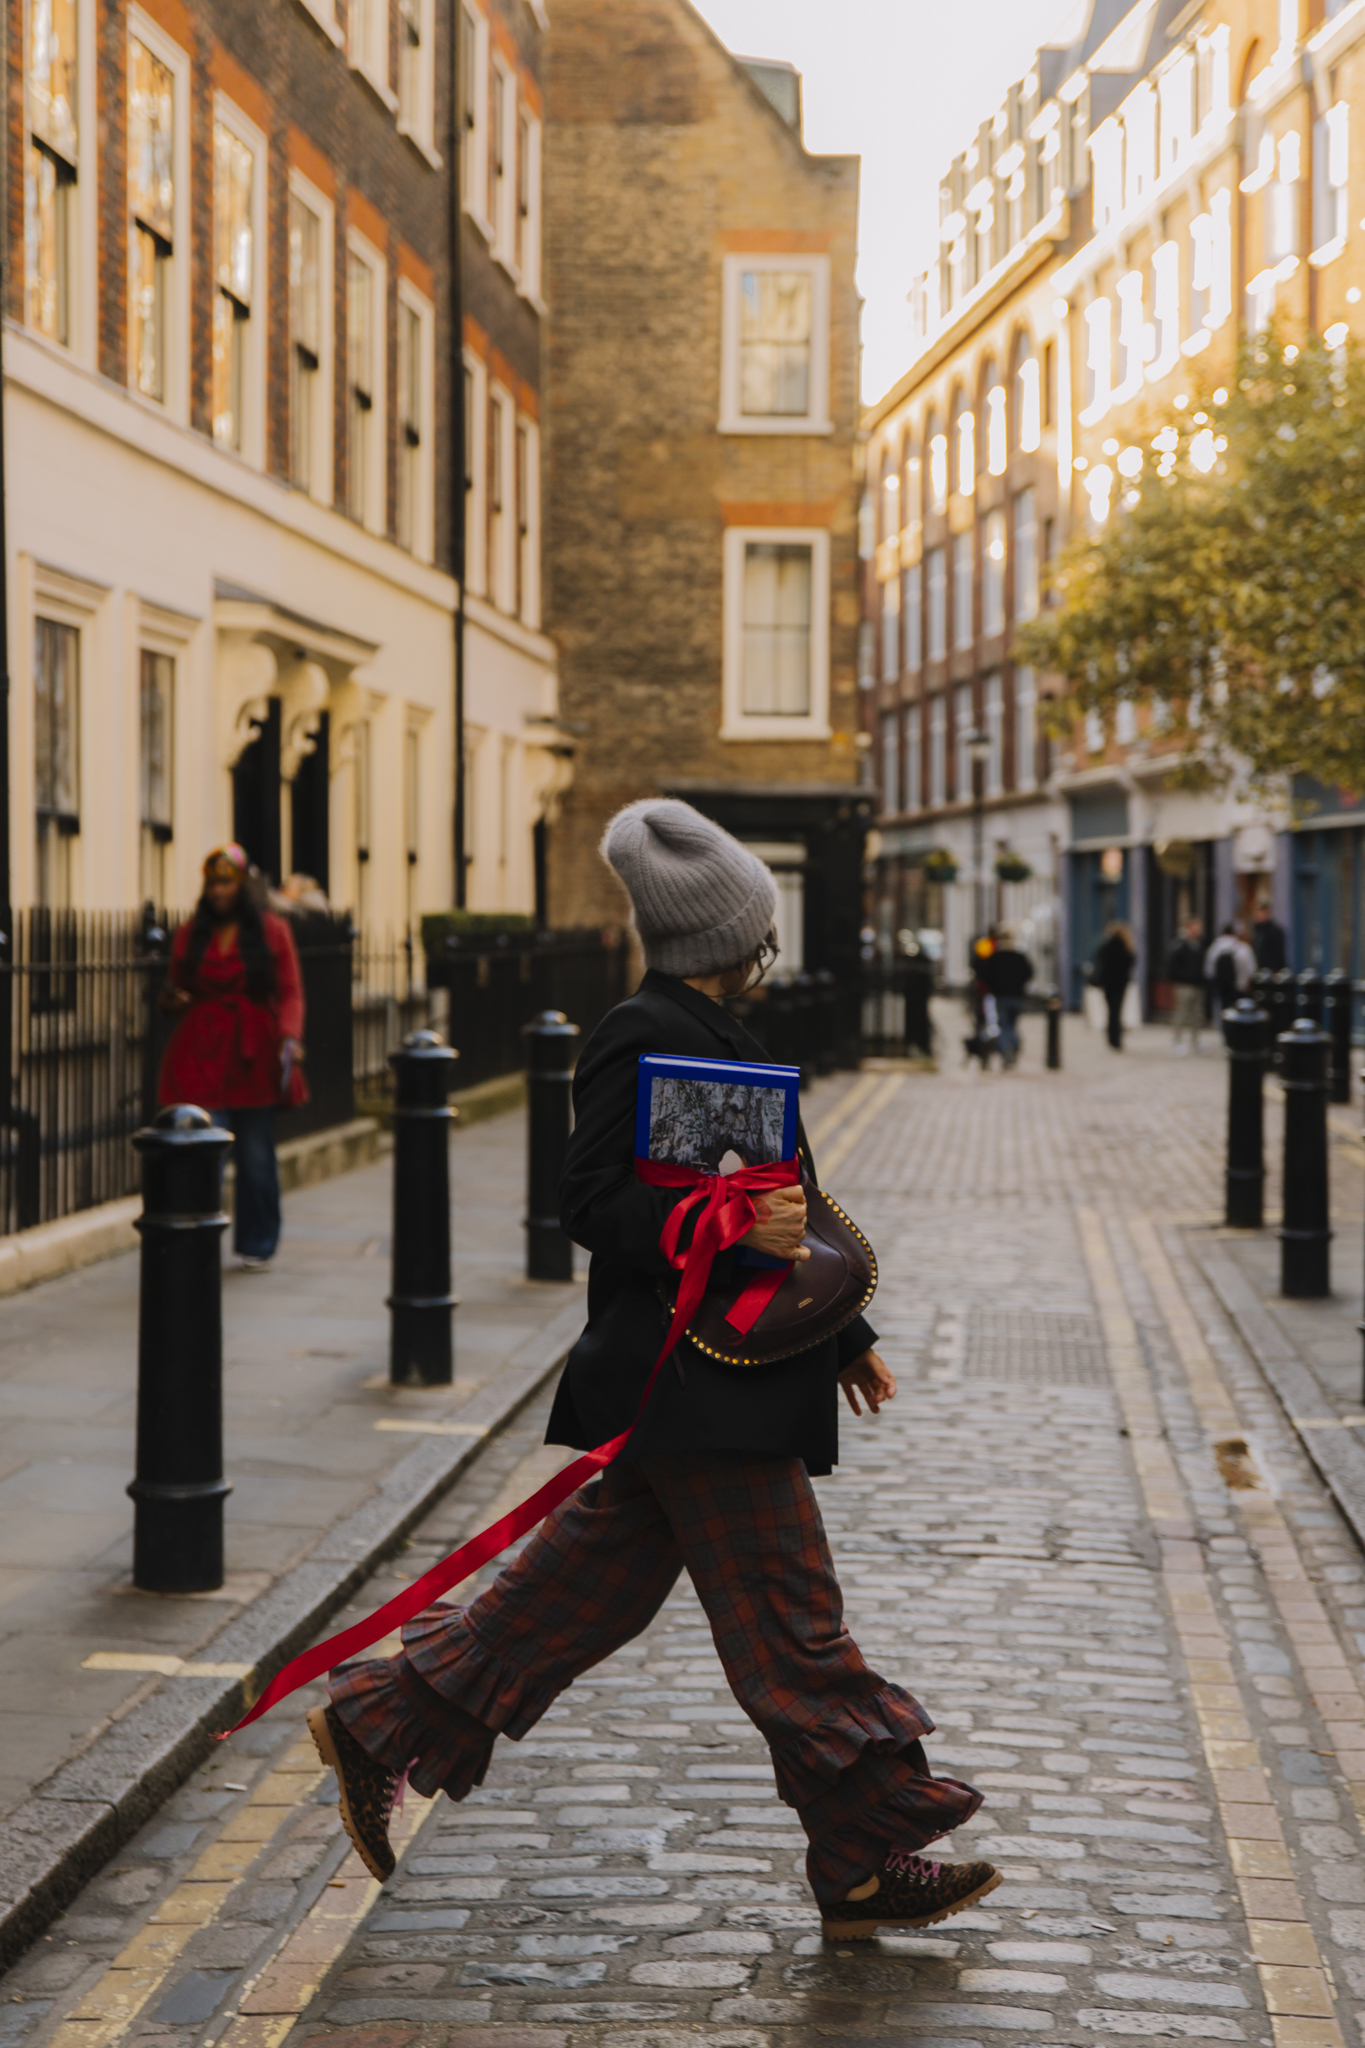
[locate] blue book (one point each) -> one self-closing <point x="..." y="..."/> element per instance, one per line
<point x="718" y="1115"/>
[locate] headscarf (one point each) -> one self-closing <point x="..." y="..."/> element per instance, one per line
<point x="226" y="860"/>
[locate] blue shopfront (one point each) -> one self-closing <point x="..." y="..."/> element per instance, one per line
<point x="1327" y="855"/>
<point x="1103" y="873"/>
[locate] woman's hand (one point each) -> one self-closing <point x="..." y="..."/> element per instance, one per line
<point x="294" y="1047"/>
<point x="781" y="1225"/>
<point x="871" y="1377"/>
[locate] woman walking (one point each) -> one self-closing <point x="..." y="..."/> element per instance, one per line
<point x="715" y="1479"/>
<point x="234" y="984"/>
<point x="1114" y="960"/>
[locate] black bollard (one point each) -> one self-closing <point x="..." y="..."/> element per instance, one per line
<point x="1337" y="1007"/>
<point x="549" y="1078"/>
<point x="421" y="1305"/>
<point x="1054" y="1032"/>
<point x="1308" y="991"/>
<point x="1244" y="1030"/>
<point x="1305" y="1235"/>
<point x="1282" y="1000"/>
<point x="180" y="1489"/>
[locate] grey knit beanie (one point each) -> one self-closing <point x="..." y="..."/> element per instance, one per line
<point x="702" y="901"/>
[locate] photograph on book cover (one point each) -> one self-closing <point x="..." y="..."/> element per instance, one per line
<point x="716" y="1116"/>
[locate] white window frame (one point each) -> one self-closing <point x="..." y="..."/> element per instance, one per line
<point x="474" y="139"/>
<point x="249" y="135"/>
<point x="321" y="485"/>
<point x="938" y="750"/>
<point x="995" y="529"/>
<point x="476" y="500"/>
<point x="532" y="230"/>
<point x="993" y="723"/>
<point x="502" y="525"/>
<point x="964" y="587"/>
<point x="912" y="614"/>
<point x="324" y="14"/>
<point x="163" y="632"/>
<point x="914" y="783"/>
<point x="530" y="543"/>
<point x="372" y="62"/>
<point x="176" y="405"/>
<point x="502" y="196"/>
<point x="1025" y="729"/>
<point x="736" y="724"/>
<point x="1099" y="359"/>
<point x="82" y="281"/>
<point x="374" y="512"/>
<point x="418" y="122"/>
<point x="1165" y="310"/>
<point x="891" y="629"/>
<point x="816" y="418"/>
<point x="69" y="601"/>
<point x="424" y="521"/>
<point x="936" y="574"/>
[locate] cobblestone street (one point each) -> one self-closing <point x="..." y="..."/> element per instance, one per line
<point x="1084" y="1535"/>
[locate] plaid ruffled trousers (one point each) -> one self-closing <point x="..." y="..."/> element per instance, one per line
<point x="845" y="1742"/>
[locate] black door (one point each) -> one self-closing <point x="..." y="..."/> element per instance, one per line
<point x="310" y="851"/>
<point x="256" y="795"/>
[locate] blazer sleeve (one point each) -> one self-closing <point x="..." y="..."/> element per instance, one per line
<point x="288" y="979"/>
<point x="602" y="1205"/>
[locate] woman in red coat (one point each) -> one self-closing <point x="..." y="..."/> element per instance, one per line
<point x="234" y="983"/>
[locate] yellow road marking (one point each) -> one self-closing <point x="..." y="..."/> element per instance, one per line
<point x="1294" y="1984"/>
<point x="852" y="1098"/>
<point x="880" y="1099"/>
<point x="169" y="1667"/>
<point x="417" y="1427"/>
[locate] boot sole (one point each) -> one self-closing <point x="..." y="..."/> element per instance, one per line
<point x="316" y="1718"/>
<point x="863" y="1930"/>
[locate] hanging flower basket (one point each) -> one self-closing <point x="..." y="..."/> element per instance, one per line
<point x="1012" y="867"/>
<point x="940" y="866"/>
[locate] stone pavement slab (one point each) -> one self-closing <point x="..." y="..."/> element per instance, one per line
<point x="1085" y="1535"/>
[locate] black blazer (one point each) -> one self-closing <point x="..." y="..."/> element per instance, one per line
<point x="787" y="1410"/>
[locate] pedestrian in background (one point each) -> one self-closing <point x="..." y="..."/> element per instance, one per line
<point x="1115" y="958"/>
<point x="1006" y="974"/>
<point x="1228" y="967"/>
<point x="1268" y="940"/>
<point x="235" y="986"/>
<point x="1185" y="972"/>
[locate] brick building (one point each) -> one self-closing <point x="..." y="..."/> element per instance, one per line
<point x="231" y="367"/>
<point x="703" y="408"/>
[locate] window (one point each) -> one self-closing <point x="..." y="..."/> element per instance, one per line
<point x="936" y="603"/>
<point x="361" y="815"/>
<point x="1025" y="730"/>
<point x="994" y="775"/>
<point x="891" y="762"/>
<point x="306" y="427"/>
<point x="364" y="416"/>
<point x="157" y="693"/>
<point x="502" y="160"/>
<point x="777" y="617"/>
<point x="938" y="468"/>
<point x="50" y="166"/>
<point x="914" y="787"/>
<point x="367" y="42"/>
<point x="522" y="210"/>
<point x="1106" y="151"/>
<point x="473" y="89"/>
<point x="912" y="602"/>
<point x="528" y="522"/>
<point x="151" y="189"/>
<point x="411" y="462"/>
<point x="1165" y="309"/>
<point x="1331" y="164"/>
<point x="1025" y="554"/>
<point x="775" y="346"/>
<point x="416" y="112"/>
<point x="891" y="630"/>
<point x="56" y="792"/>
<point x="476" y="473"/>
<point x="962" y="590"/>
<point x="776" y="680"/>
<point x="1177" y="111"/>
<point x="1028" y="414"/>
<point x="233" y="263"/>
<point x="938" y="750"/>
<point x="997" y="444"/>
<point x="993" y="574"/>
<point x="962" y="727"/>
<point x="1098" y="370"/>
<point x="1132" y="334"/>
<point x="412" y="813"/>
<point x="1139" y="145"/>
<point x="501" y="455"/>
<point x="1281" y="220"/>
<point x="964" y="449"/>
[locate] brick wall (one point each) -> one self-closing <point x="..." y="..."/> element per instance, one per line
<point x="659" y="148"/>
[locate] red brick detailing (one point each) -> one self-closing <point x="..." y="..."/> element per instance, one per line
<point x="303" y="156"/>
<point x="411" y="266"/>
<point x="774" y="242"/>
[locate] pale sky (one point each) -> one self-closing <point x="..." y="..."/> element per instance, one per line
<point x="903" y="84"/>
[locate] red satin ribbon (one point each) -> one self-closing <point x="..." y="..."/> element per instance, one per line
<point x="727" y="1214"/>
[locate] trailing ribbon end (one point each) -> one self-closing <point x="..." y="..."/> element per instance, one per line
<point x="727" y="1214"/>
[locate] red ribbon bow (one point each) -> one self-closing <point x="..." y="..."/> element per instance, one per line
<point x="727" y="1214"/>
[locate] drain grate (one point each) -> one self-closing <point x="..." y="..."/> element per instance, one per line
<point x="1037" y="1348"/>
